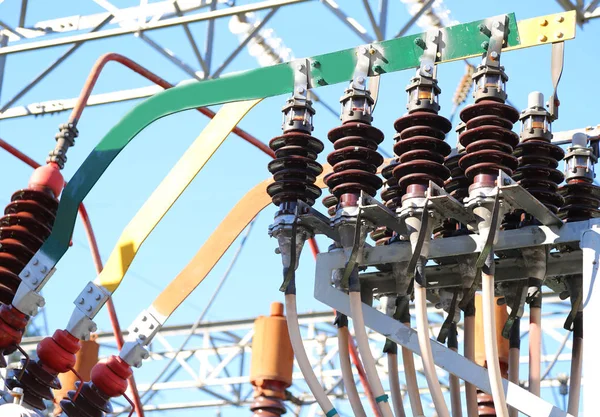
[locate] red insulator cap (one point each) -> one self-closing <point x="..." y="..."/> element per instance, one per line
<point x="12" y="326"/>
<point x="58" y="352"/>
<point x="48" y="176"/>
<point x="110" y="376"/>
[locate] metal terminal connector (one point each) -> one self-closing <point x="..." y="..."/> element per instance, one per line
<point x="490" y="78"/>
<point x="357" y="103"/>
<point x="87" y="304"/>
<point x="423" y="89"/>
<point x="141" y="332"/>
<point x="580" y="159"/>
<point x="536" y="122"/>
<point x="298" y="111"/>
<point x="33" y="278"/>
<point x="65" y="138"/>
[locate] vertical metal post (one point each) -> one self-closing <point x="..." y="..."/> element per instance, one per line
<point x="383" y="12"/>
<point x="23" y="13"/>
<point x="210" y="37"/>
<point x="3" y="43"/>
<point x="590" y="245"/>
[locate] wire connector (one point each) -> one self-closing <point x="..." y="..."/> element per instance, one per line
<point x="141" y="332"/>
<point x="65" y="138"/>
<point x="87" y="304"/>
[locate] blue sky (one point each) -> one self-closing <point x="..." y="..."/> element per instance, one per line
<point x="308" y="29"/>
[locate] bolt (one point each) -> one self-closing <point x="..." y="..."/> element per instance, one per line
<point x="90" y="289"/>
<point x="485" y="45"/>
<point x="432" y="38"/>
<point x="494" y="55"/>
<point x="35" y="262"/>
<point x="145" y="355"/>
<point x="93" y="327"/>
<point x="362" y="50"/>
<point x="300" y="67"/>
<point x="81" y="301"/>
<point x="135" y="330"/>
<point x="44" y="269"/>
<point x="35" y="281"/>
<point x="378" y="69"/>
<point x="543" y="22"/>
<point x="89" y="309"/>
<point x="26" y="273"/>
<point x="559" y="35"/>
<point x="300" y="90"/>
<point x="506" y="181"/>
<point x="151" y="326"/>
<point x="142" y="337"/>
<point x="41" y="303"/>
<point x="543" y="38"/>
<point x="497" y="25"/>
<point x="321" y="81"/>
<point x="360" y="80"/>
<point x="98" y="297"/>
<point x="428" y="68"/>
<point x="484" y="29"/>
<point x="315" y="64"/>
<point x="560" y="19"/>
<point x="420" y="43"/>
<point x="144" y="318"/>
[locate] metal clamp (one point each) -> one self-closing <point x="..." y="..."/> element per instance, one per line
<point x="412" y="264"/>
<point x="378" y="214"/>
<point x="431" y="47"/>
<point x="315" y="221"/>
<point x="556" y="68"/>
<point x="496" y="31"/>
<point x="447" y="206"/>
<point x="87" y="304"/>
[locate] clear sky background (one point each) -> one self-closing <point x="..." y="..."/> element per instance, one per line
<point x="308" y="29"/>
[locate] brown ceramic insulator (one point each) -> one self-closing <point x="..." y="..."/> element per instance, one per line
<point x="90" y="402"/>
<point x="537" y="173"/>
<point x="330" y="202"/>
<point x="421" y="149"/>
<point x="582" y="200"/>
<point x="26" y="224"/>
<point x="392" y="198"/>
<point x="37" y="385"/>
<point x="458" y="187"/>
<point x="489" y="141"/>
<point x="485" y="405"/>
<point x="295" y="168"/>
<point x="354" y="160"/>
<point x="267" y="407"/>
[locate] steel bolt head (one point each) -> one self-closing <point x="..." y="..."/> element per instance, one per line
<point x="360" y="80"/>
<point x="560" y="19"/>
<point x="543" y="38"/>
<point x="144" y="318"/>
<point x="98" y="297"/>
<point x="300" y="90"/>
<point x="497" y="25"/>
<point x="89" y="309"/>
<point x="90" y="289"/>
<point x="41" y="303"/>
<point x="315" y="64"/>
<point x="428" y="68"/>
<point x="494" y="55"/>
<point x="543" y="22"/>
<point x="81" y="301"/>
<point x="300" y="67"/>
<point x="145" y="355"/>
<point x="26" y="273"/>
<point x="559" y="35"/>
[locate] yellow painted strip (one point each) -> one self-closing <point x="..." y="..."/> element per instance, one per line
<point x="217" y="244"/>
<point x="556" y="27"/>
<point x="169" y="190"/>
<point x="533" y="32"/>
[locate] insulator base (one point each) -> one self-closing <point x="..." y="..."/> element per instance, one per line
<point x="582" y="200"/>
<point x="91" y="402"/>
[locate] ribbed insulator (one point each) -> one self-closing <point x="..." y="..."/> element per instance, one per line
<point x="537" y="173"/>
<point x="391" y="197"/>
<point x="330" y="202"/>
<point x="581" y="201"/>
<point x="91" y="402"/>
<point x="489" y="141"/>
<point x="421" y="149"/>
<point x="355" y="159"/>
<point x="26" y="224"/>
<point x="295" y="168"/>
<point x="267" y="407"/>
<point x="485" y="404"/>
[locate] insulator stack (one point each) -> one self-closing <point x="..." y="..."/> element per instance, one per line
<point x="420" y="143"/>
<point x="355" y="161"/>
<point x="295" y="167"/>
<point x="355" y="158"/>
<point x="392" y="198"/>
<point x="538" y="157"/>
<point x="581" y="195"/>
<point x="27" y="222"/>
<point x="56" y="355"/>
<point x="485" y="404"/>
<point x="488" y="138"/>
<point x="109" y="380"/>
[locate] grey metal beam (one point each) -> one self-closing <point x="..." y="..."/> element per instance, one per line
<point x="371" y="17"/>
<point x="200" y="17"/>
<point x="48" y="69"/>
<point x="243" y="44"/>
<point x="383" y="14"/>
<point x="210" y="38"/>
<point x="416" y="17"/>
<point x="352" y="24"/>
<point x="23" y="13"/>
<point x="590" y="7"/>
<point x="9" y="29"/>
<point x="3" y="43"/>
<point x="170" y="56"/>
<point x="191" y="40"/>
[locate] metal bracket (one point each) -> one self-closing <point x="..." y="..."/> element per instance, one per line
<point x="431" y="47"/>
<point x="445" y="329"/>
<point x="315" y="221"/>
<point x="496" y="31"/>
<point x="87" y="304"/>
<point x="361" y="70"/>
<point x="301" y="79"/>
<point x="447" y="206"/>
<point x="517" y="197"/>
<point x="378" y="214"/>
<point x="556" y="68"/>
<point x="360" y="236"/>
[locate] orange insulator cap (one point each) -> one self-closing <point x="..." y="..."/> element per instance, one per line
<point x="501" y="315"/>
<point x="48" y="176"/>
<point x="272" y="354"/>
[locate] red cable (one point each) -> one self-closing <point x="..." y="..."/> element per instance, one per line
<point x="134" y="66"/>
